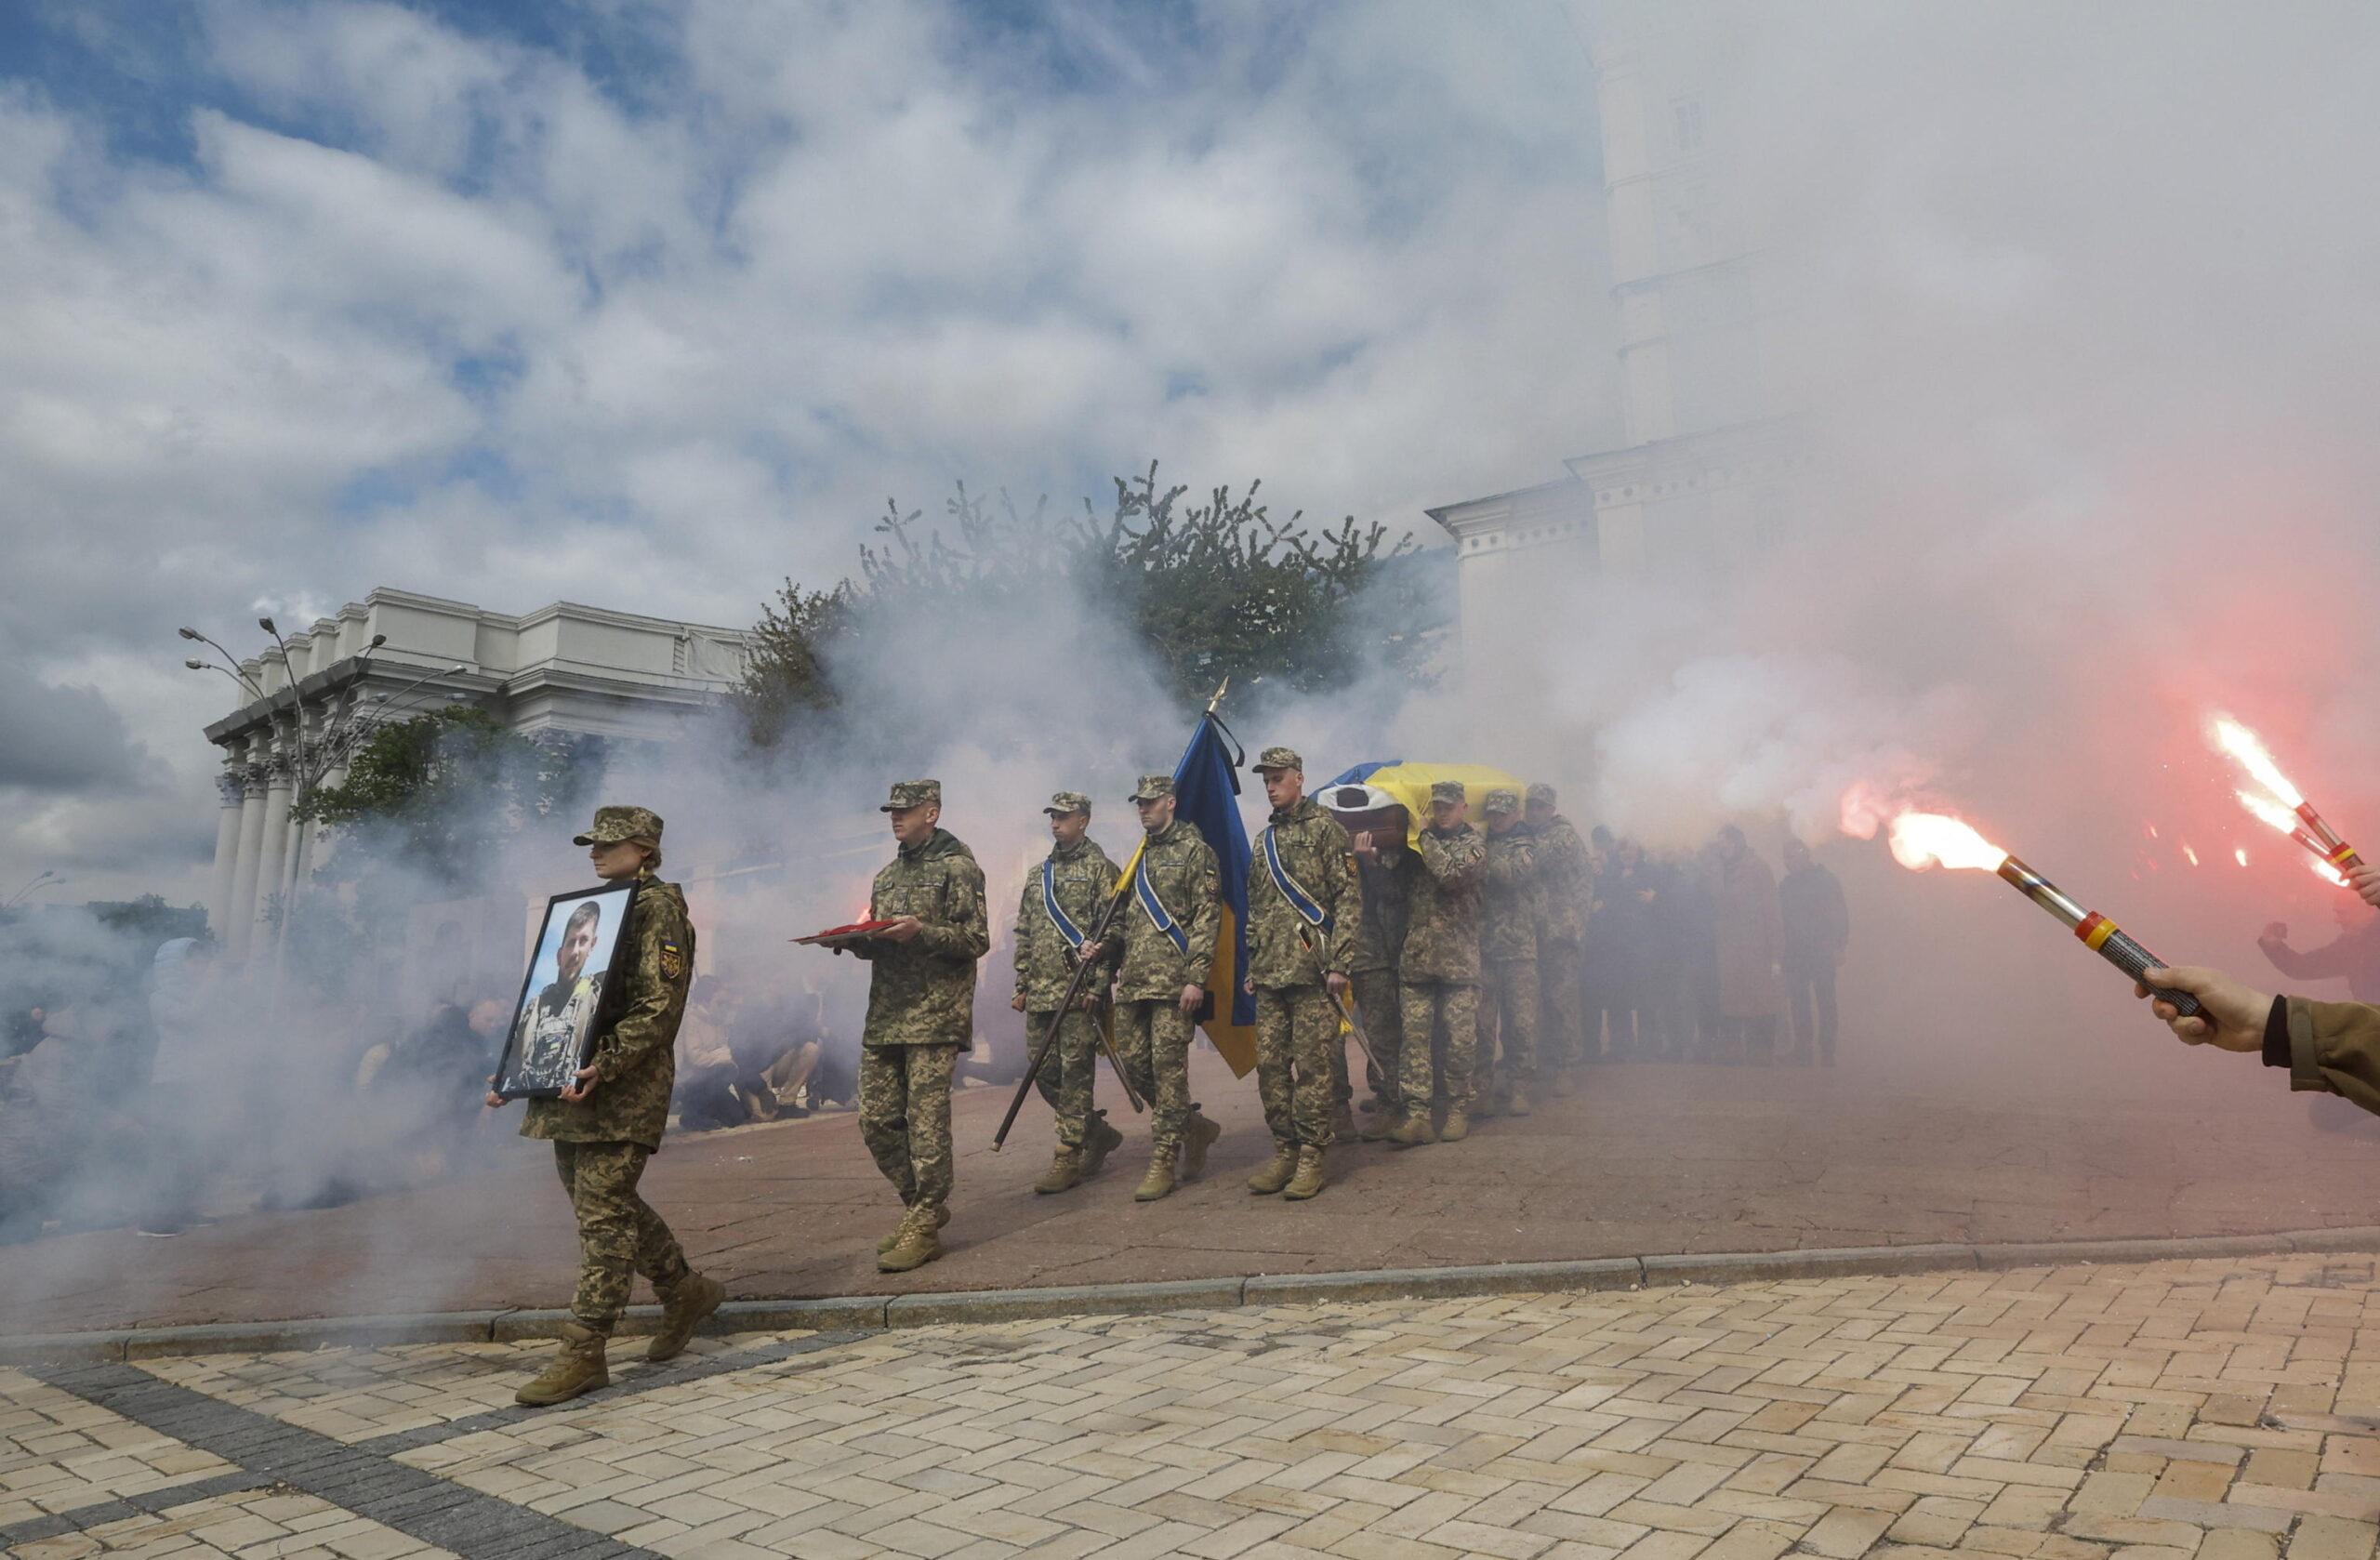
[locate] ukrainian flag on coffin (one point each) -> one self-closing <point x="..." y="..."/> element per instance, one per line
<point x="1205" y="789"/>
<point x="1367" y="790"/>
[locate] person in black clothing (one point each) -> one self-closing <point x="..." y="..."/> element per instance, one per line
<point x="1817" y="925"/>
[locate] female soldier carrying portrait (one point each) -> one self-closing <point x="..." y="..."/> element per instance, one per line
<point x="610" y="1120"/>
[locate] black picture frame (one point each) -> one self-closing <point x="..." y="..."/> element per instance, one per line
<point x="554" y="1026"/>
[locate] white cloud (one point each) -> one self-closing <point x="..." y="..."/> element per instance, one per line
<point x="824" y="254"/>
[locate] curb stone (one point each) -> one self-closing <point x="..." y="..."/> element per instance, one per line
<point x="1744" y="1267"/>
<point x="1296" y="1289"/>
<point x="932" y="1308"/>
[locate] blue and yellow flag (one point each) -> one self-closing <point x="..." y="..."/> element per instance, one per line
<point x="1403" y="783"/>
<point x="1206" y="788"/>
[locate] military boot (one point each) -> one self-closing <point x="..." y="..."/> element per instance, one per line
<point x="1486" y="1108"/>
<point x="1064" y="1173"/>
<point x="1308" y="1180"/>
<point x="690" y="1299"/>
<point x="1197" y="1135"/>
<point x="1519" y="1104"/>
<point x="1342" y="1124"/>
<point x="579" y="1369"/>
<point x="1099" y="1143"/>
<point x="1458" y="1125"/>
<point x="1413" y="1131"/>
<point x="1564" y="1084"/>
<point x="940" y="1217"/>
<point x="1159" y="1181"/>
<point x="918" y="1244"/>
<point x="1277" y="1171"/>
<point x="1382" y="1127"/>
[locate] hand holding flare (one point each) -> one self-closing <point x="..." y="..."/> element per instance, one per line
<point x="1924" y="839"/>
<point x="2287" y="809"/>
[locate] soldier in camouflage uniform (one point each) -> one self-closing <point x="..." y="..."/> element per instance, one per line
<point x="1439" y="972"/>
<point x="920" y="1014"/>
<point x="610" y="1120"/>
<point x="1305" y="915"/>
<point x="1055" y="914"/>
<point x="1563" y="883"/>
<point x="1508" y="995"/>
<point x="1167" y="945"/>
<point x="1384" y="870"/>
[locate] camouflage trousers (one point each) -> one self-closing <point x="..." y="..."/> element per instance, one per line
<point x="619" y="1235"/>
<point x="1441" y="1019"/>
<point x="1296" y="1032"/>
<point x="1382" y="1012"/>
<point x="1562" y="1028"/>
<point x="1154" y="1040"/>
<point x="1508" y="999"/>
<point x="905" y="1118"/>
<point x="1067" y="1072"/>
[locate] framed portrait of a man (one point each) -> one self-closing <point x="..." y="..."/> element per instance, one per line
<point x="567" y="988"/>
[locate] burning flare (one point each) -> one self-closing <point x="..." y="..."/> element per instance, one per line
<point x="2270" y="812"/>
<point x="2328" y="873"/>
<point x="1924" y="839"/>
<point x="2249" y="749"/>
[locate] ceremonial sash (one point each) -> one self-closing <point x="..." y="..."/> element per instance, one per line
<point x="1153" y="907"/>
<point x="1058" y="916"/>
<point x="1300" y="901"/>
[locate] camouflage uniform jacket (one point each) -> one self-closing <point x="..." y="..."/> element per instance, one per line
<point x="1563" y="885"/>
<point x="635" y="1047"/>
<point x="1182" y="868"/>
<point x="1511" y="904"/>
<point x="1314" y="853"/>
<point x="1442" y="925"/>
<point x="1386" y="881"/>
<point x="923" y="990"/>
<point x="1082" y="877"/>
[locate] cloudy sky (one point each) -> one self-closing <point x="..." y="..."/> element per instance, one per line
<point x="648" y="304"/>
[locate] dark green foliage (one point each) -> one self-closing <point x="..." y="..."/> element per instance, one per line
<point x="1206" y="590"/>
<point x="442" y="790"/>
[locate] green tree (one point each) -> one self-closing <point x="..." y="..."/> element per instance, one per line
<point x="445" y="788"/>
<point x="1207" y="590"/>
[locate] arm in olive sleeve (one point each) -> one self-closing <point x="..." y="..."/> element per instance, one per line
<point x="1450" y="860"/>
<point x="655" y="1003"/>
<point x="1206" y="922"/>
<point x="1019" y="949"/>
<point x="968" y="934"/>
<point x="2335" y="1047"/>
<point x="1346" y="903"/>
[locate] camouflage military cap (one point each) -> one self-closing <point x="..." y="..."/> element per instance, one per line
<point x="1065" y="802"/>
<point x="1540" y="792"/>
<point x="1279" y="758"/>
<point x="1504" y="799"/>
<point x="913" y="793"/>
<point x="1445" y="790"/>
<point x="1152" y="787"/>
<point x="615" y="824"/>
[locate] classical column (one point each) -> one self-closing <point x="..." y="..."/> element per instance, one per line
<point x="279" y="773"/>
<point x="227" y="846"/>
<point x="240" y="913"/>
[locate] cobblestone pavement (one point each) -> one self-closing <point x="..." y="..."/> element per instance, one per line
<point x="2229" y="1410"/>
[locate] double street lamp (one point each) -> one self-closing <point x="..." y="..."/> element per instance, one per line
<point x="32" y="886"/>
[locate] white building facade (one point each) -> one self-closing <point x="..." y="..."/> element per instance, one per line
<point x="562" y="667"/>
<point x="1711" y="470"/>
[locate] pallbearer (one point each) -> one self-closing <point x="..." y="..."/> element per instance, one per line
<point x="1060" y="903"/>
<point x="1168" y="932"/>
<point x="1439" y="972"/>
<point x="1384" y="870"/>
<point x="1304" y="915"/>
<point x="920" y="1014"/>
<point x="1508" y="996"/>
<point x="609" y="1122"/>
<point x="1562" y="873"/>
